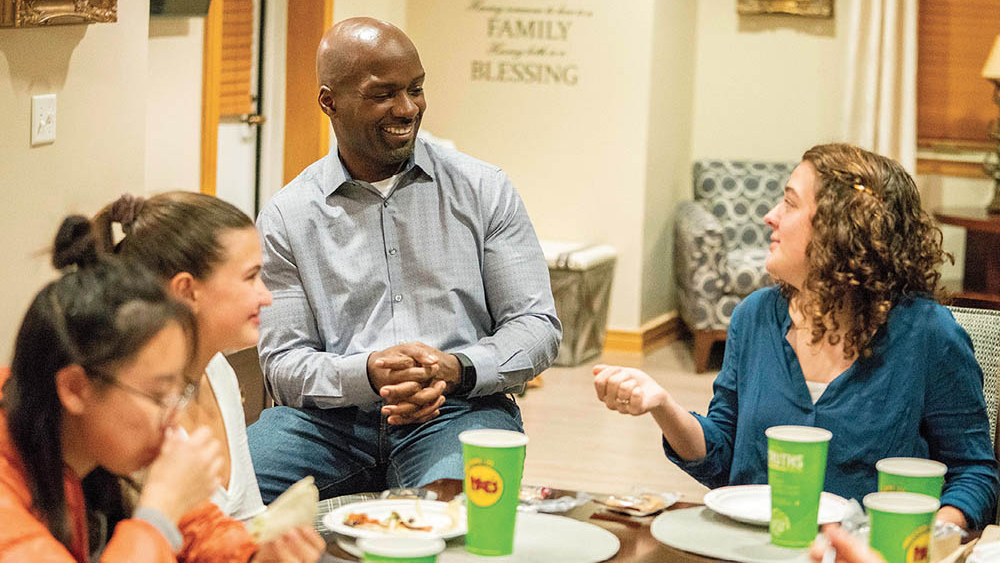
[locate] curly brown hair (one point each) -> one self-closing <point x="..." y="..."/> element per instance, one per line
<point x="872" y="245"/>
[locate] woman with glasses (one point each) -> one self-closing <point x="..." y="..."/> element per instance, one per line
<point x="97" y="381"/>
<point x="98" y="370"/>
<point x="851" y="339"/>
<point x="207" y="254"/>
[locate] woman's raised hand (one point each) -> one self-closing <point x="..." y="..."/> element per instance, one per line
<point x="628" y="390"/>
<point x="185" y="473"/>
<point x="632" y="391"/>
<point x="297" y="545"/>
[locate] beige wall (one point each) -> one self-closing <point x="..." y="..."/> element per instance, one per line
<point x="173" y="109"/>
<point x="577" y="154"/>
<point x="766" y="87"/>
<point x="769" y="87"/>
<point x="668" y="154"/>
<point x="99" y="75"/>
<point x="392" y="11"/>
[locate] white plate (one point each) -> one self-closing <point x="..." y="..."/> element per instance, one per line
<point x="430" y="512"/>
<point x="538" y="538"/>
<point x="751" y="504"/>
<point x="702" y="531"/>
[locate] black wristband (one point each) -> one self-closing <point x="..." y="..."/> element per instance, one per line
<point x="467" y="382"/>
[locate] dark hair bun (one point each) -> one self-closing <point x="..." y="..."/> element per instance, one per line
<point x="75" y="244"/>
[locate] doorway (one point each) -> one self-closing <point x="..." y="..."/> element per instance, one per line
<point x="248" y="153"/>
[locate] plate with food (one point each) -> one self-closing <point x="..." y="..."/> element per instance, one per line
<point x="402" y="517"/>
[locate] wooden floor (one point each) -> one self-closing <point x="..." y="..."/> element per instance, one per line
<point x="577" y="443"/>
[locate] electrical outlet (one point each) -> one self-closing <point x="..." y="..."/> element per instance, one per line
<point x="43" y="119"/>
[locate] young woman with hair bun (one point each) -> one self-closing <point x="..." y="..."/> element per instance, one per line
<point x="207" y="255"/>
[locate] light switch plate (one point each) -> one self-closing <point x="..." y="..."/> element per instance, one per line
<point x="43" y="119"/>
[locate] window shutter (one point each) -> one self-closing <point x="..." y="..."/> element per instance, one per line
<point x="237" y="57"/>
<point x="954" y="103"/>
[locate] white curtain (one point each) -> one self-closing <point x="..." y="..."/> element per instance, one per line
<point x="880" y="102"/>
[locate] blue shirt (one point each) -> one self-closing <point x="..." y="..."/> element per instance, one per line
<point x="920" y="394"/>
<point x="448" y="258"/>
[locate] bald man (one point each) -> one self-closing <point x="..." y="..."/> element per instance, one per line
<point x="410" y="292"/>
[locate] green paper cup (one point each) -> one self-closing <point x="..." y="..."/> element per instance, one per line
<point x="494" y="462"/>
<point x="400" y="549"/>
<point x="796" y="467"/>
<point x="901" y="525"/>
<point x="911" y="475"/>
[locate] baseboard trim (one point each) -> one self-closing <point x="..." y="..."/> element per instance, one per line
<point x="653" y="334"/>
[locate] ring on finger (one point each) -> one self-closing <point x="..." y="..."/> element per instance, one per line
<point x="623" y="401"/>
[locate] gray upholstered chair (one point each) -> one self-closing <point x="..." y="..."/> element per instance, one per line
<point x="720" y="243"/>
<point x="983" y="326"/>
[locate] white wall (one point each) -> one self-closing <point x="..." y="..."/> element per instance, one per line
<point x="173" y="110"/>
<point x="98" y="73"/>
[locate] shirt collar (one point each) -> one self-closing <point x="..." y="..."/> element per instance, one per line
<point x="335" y="174"/>
<point x="781" y="310"/>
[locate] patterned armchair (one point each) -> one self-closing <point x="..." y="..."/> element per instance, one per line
<point x="720" y="243"/>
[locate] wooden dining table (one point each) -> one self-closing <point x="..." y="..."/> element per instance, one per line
<point x="637" y="542"/>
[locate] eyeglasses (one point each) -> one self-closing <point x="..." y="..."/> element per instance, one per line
<point x="168" y="407"/>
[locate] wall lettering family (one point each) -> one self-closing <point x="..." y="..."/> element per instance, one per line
<point x="527" y="44"/>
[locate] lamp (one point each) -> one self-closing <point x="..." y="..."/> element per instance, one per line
<point x="991" y="72"/>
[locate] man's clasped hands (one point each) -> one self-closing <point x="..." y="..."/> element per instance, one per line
<point x="413" y="379"/>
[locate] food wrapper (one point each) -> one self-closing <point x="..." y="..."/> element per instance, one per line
<point x="543" y="499"/>
<point x="639" y="502"/>
<point x="295" y="508"/>
<point x="945" y="539"/>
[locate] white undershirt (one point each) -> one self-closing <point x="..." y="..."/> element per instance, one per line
<point x="385" y="186"/>
<point x="816" y="389"/>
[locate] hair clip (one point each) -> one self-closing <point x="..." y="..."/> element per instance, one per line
<point x="862" y="188"/>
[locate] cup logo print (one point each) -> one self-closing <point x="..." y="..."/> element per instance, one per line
<point x="483" y="485"/>
<point x="917" y="545"/>
<point x="781" y="461"/>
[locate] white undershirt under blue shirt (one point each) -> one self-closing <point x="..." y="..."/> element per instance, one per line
<point x="816" y="389"/>
<point x="385" y="186"/>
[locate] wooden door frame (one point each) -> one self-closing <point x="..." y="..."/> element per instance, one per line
<point x="306" y="129"/>
<point x="211" y="77"/>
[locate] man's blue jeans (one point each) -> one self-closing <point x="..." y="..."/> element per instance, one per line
<point x="350" y="450"/>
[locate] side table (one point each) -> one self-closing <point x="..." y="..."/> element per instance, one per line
<point x="981" y="284"/>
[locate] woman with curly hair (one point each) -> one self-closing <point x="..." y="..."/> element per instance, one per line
<point x="851" y="339"/>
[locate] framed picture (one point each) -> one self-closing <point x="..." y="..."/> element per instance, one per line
<point x="35" y="13"/>
<point x="811" y="8"/>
